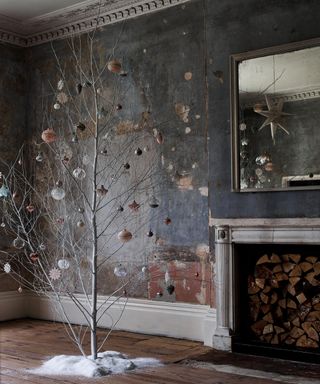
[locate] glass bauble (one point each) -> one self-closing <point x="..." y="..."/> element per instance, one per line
<point x="4" y="191"/>
<point x="154" y="203"/>
<point x="58" y="193"/>
<point x="79" y="173"/>
<point x="18" y="243"/>
<point x="125" y="236"/>
<point x="120" y="271"/>
<point x="63" y="264"/>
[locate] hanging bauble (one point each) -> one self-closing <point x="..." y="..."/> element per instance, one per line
<point x="258" y="107"/>
<point x="60" y="85"/>
<point x="81" y="126"/>
<point x="58" y="193"/>
<point x="18" y="243"/>
<point x="269" y="167"/>
<point x="60" y="220"/>
<point x="124" y="236"/>
<point x="159" y="138"/>
<point x="30" y="208"/>
<point x="16" y="195"/>
<point x="263" y="159"/>
<point x="167" y="220"/>
<point x="126" y="166"/>
<point x="150" y="233"/>
<point x="242" y="127"/>
<point x="79" y="173"/>
<point x="20" y="290"/>
<point x="86" y="160"/>
<point x="153" y="202"/>
<point x="114" y="66"/>
<point x="120" y="208"/>
<point x="244" y="141"/>
<point x="59" y="183"/>
<point x="159" y="294"/>
<point x="81" y="210"/>
<point x="49" y="136"/>
<point x="138" y="151"/>
<point x="170" y="289"/>
<point x="118" y="107"/>
<point x="80" y="224"/>
<point x="75" y="138"/>
<point x="20" y="161"/>
<point x="79" y="88"/>
<point x="134" y="206"/>
<point x="42" y="247"/>
<point x="63" y="264"/>
<point x="55" y="274"/>
<point x="34" y="257"/>
<point x="120" y="271"/>
<point x="104" y="152"/>
<point x="56" y="106"/>
<point x="146" y="149"/>
<point x="3" y="225"/>
<point x="4" y="191"/>
<point x="244" y="155"/>
<point x="7" y="268"/>
<point x="102" y="191"/>
<point x="62" y="98"/>
<point x="123" y="74"/>
<point x="39" y="157"/>
<point x="144" y="269"/>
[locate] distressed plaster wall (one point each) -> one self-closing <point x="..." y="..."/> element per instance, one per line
<point x="235" y="27"/>
<point x="12" y="124"/>
<point x="164" y="56"/>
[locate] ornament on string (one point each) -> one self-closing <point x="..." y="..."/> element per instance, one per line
<point x="124" y="236"/>
<point x="104" y="152"/>
<point x="62" y="98"/>
<point x="56" y="106"/>
<point x="102" y="191"/>
<point x="39" y="157"/>
<point x="244" y="142"/>
<point x="60" y="85"/>
<point x="159" y="138"/>
<point x="4" y="191"/>
<point x="80" y="224"/>
<point x="120" y="208"/>
<point x="49" y="136"/>
<point x="114" y="66"/>
<point x="150" y="233"/>
<point x="86" y="84"/>
<point x="75" y="138"/>
<point x="16" y="195"/>
<point x="80" y="126"/>
<point x="81" y="210"/>
<point x="63" y="264"/>
<point x="134" y="206"/>
<point x="159" y="294"/>
<point x="34" y="257"/>
<point x="30" y="208"/>
<point x="42" y="247"/>
<point x="167" y="221"/>
<point x="126" y="166"/>
<point x="144" y="269"/>
<point x="20" y="290"/>
<point x="120" y="271"/>
<point x="20" y="161"/>
<point x="118" y="107"/>
<point x="7" y="268"/>
<point x="3" y="224"/>
<point x="153" y="202"/>
<point x="58" y="193"/>
<point x="55" y="274"/>
<point x="170" y="289"/>
<point x="60" y="220"/>
<point x="242" y="127"/>
<point x="79" y="88"/>
<point x="18" y="243"/>
<point x="79" y="173"/>
<point x="138" y="151"/>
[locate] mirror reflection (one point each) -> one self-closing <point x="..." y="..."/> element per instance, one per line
<point x="278" y="134"/>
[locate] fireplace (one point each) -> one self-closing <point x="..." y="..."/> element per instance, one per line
<point x="267" y="290"/>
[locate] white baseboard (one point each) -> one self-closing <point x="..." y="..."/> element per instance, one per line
<point x="12" y="305"/>
<point x="180" y="320"/>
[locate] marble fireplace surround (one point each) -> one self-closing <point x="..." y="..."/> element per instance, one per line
<point x="228" y="233"/>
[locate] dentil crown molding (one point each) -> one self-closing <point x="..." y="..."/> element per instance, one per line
<point x="79" y="18"/>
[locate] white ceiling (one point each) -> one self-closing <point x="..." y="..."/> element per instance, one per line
<point x="22" y="10"/>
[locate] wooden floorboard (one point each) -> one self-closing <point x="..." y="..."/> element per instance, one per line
<point x="26" y="343"/>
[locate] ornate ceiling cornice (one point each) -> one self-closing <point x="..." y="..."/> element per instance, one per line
<point x="80" y="18"/>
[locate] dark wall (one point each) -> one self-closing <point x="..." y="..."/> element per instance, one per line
<point x="163" y="54"/>
<point x="12" y="123"/>
<point x="235" y="27"/>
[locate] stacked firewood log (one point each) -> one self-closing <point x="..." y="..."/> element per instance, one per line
<point x="284" y="300"/>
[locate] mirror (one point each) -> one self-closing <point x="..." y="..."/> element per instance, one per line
<point x="275" y="107"/>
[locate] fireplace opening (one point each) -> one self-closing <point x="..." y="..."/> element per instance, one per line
<point x="277" y="300"/>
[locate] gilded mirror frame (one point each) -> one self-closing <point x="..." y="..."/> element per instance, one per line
<point x="235" y="60"/>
